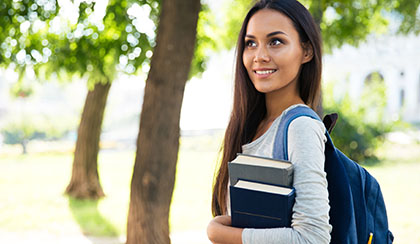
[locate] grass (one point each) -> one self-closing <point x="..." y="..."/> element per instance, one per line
<point x="398" y="175"/>
<point x="32" y="189"/>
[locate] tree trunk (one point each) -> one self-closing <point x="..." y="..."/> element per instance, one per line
<point x="84" y="181"/>
<point x="317" y="10"/>
<point x="158" y="140"/>
<point x="24" y="144"/>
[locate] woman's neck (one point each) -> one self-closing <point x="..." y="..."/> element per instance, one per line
<point x="276" y="103"/>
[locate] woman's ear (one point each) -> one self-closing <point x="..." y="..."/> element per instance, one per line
<point x="308" y="52"/>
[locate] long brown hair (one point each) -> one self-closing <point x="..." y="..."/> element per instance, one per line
<point x="249" y="104"/>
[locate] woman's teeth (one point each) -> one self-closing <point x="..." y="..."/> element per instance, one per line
<point x="264" y="72"/>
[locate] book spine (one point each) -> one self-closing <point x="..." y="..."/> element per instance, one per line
<point x="289" y="208"/>
<point x="290" y="177"/>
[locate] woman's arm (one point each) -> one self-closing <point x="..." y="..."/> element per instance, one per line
<point x="219" y="231"/>
<point x="310" y="219"/>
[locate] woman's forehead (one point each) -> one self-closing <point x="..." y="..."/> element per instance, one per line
<point x="266" y="21"/>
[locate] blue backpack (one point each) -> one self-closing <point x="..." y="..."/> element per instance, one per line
<point x="357" y="207"/>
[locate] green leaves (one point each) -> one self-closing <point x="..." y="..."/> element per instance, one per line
<point x="351" y="21"/>
<point x="23" y="27"/>
<point x="229" y="29"/>
<point x="215" y="33"/>
<point x="119" y="37"/>
<point x="362" y="124"/>
<point x="341" y="21"/>
<point x="409" y="12"/>
<point x="100" y="42"/>
<point x="102" y="48"/>
<point x="206" y="40"/>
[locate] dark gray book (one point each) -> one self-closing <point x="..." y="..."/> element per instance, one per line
<point x="260" y="169"/>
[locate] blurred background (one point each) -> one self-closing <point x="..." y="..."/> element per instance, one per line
<point x="54" y="53"/>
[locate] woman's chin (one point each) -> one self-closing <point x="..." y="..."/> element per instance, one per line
<point x="263" y="89"/>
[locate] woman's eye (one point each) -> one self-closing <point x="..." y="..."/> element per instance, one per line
<point x="250" y="43"/>
<point x="276" y="42"/>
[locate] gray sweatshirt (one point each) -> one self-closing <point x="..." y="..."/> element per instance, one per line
<point x="310" y="219"/>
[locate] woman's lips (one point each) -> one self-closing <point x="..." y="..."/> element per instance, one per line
<point x="264" y="73"/>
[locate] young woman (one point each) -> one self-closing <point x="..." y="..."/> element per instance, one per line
<point x="278" y="67"/>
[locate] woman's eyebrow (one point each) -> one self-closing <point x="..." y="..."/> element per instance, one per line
<point x="268" y="35"/>
<point x="275" y="33"/>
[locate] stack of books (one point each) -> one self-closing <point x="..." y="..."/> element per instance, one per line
<point x="261" y="192"/>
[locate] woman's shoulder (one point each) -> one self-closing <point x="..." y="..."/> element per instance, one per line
<point x="307" y="126"/>
<point x="306" y="136"/>
<point x="303" y="122"/>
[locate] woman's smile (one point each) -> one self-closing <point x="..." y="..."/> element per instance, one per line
<point x="264" y="73"/>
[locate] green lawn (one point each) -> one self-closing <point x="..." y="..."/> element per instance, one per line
<point x="399" y="176"/>
<point x="32" y="187"/>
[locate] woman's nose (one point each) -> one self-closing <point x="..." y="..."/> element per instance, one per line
<point x="261" y="55"/>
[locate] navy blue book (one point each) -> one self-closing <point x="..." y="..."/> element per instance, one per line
<point x="259" y="205"/>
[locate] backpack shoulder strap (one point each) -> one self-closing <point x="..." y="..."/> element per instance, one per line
<point x="280" y="141"/>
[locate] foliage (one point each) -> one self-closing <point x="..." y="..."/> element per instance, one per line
<point x="122" y="40"/>
<point x="361" y="125"/>
<point x="23" y="27"/>
<point x="233" y="21"/>
<point x="21" y="90"/>
<point x="214" y="34"/>
<point x="22" y="129"/>
<point x="341" y="21"/>
<point x="205" y="42"/>
<point x="98" y="47"/>
<point x="45" y="36"/>
<point x="351" y="21"/>
<point x="409" y="13"/>
<point x="18" y="132"/>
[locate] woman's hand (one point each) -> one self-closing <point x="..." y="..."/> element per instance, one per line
<point x="223" y="220"/>
<point x="219" y="231"/>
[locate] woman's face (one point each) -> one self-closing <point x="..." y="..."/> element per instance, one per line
<point x="273" y="52"/>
